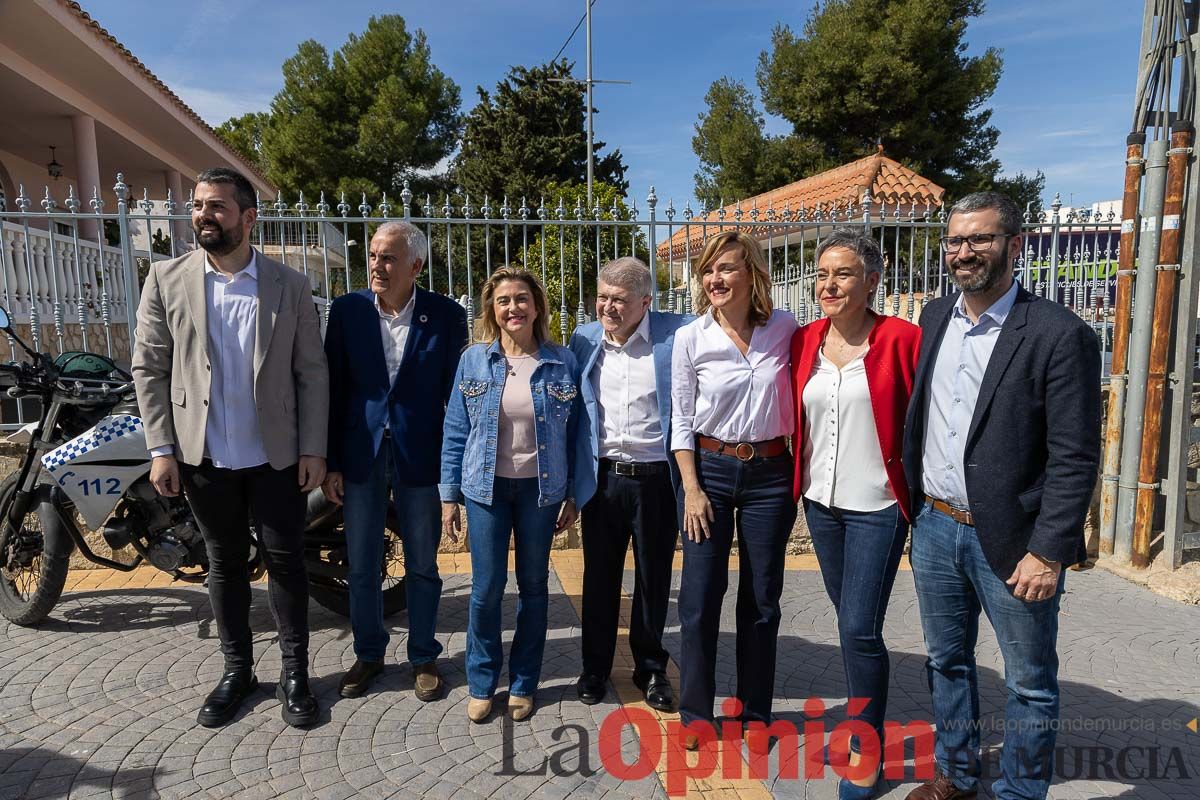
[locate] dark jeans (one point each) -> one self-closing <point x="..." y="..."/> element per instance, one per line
<point x="755" y="497"/>
<point x="954" y="583"/>
<point x="859" y="552"/>
<point x="624" y="507"/>
<point x="420" y="512"/>
<point x="224" y="501"/>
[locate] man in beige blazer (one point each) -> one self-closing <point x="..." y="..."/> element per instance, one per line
<point x="234" y="394"/>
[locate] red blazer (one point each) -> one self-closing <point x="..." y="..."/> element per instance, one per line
<point x="891" y="364"/>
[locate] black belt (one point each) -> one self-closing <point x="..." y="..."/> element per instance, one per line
<point x="634" y="469"/>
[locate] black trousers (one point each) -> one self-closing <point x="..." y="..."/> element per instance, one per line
<point x="624" y="507"/>
<point x="224" y="501"/>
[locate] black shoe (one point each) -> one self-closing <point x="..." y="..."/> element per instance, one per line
<point x="299" y="706"/>
<point x="656" y="688"/>
<point x="223" y="702"/>
<point x="591" y="688"/>
<point x="358" y="679"/>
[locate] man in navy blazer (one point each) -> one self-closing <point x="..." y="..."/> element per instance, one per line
<point x="393" y="350"/>
<point x="1001" y="452"/>
<point x="625" y="478"/>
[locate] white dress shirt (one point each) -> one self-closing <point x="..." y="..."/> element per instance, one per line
<point x="232" y="438"/>
<point x="624" y="382"/>
<point x="962" y="359"/>
<point x="844" y="465"/>
<point x="718" y="392"/>
<point x="393" y="329"/>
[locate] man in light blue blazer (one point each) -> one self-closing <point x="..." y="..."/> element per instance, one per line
<point x="625" y="478"/>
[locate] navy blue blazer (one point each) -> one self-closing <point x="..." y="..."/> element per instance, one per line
<point x="361" y="398"/>
<point x="586" y="344"/>
<point x="1033" y="448"/>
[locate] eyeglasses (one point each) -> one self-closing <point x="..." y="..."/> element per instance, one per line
<point x="978" y="242"/>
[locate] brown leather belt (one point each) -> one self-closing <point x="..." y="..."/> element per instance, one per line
<point x="957" y="514"/>
<point x="744" y="451"/>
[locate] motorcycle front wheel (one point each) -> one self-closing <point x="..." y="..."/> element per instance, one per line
<point x="334" y="593"/>
<point x="31" y="578"/>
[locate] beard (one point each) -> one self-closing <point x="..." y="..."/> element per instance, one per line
<point x="220" y="242"/>
<point x="982" y="280"/>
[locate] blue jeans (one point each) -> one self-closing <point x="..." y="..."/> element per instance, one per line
<point x="514" y="512"/>
<point x="755" y="497"/>
<point x="954" y="582"/>
<point x="365" y="510"/>
<point x="859" y="552"/>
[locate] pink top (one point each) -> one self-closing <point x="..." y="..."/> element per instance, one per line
<point x="516" y="437"/>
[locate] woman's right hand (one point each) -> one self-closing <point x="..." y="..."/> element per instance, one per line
<point x="451" y="523"/>
<point x="697" y="513"/>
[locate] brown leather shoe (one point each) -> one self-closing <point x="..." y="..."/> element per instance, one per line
<point x="428" y="681"/>
<point x="940" y="788"/>
<point x="358" y="678"/>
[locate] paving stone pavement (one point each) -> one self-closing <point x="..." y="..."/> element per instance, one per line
<point x="100" y="701"/>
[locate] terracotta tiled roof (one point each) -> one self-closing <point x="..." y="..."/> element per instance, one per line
<point x="839" y="190"/>
<point x="121" y="49"/>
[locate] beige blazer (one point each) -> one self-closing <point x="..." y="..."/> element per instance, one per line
<point x="171" y="369"/>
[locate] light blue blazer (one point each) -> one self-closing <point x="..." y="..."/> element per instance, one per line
<point x="586" y="345"/>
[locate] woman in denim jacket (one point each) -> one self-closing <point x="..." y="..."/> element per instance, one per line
<point x="505" y="455"/>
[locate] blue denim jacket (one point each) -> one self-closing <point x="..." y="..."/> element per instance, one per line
<point x="473" y="415"/>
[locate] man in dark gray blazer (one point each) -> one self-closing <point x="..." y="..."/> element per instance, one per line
<point x="1001" y="451"/>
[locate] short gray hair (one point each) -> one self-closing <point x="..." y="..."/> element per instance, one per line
<point x="415" y="244"/>
<point x="628" y="273"/>
<point x="865" y="248"/>
<point x="1010" y="216"/>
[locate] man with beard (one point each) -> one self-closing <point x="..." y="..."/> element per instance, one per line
<point x="393" y="350"/>
<point x="1001" y="493"/>
<point x="234" y="395"/>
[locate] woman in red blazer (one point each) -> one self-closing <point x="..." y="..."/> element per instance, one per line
<point x="852" y="375"/>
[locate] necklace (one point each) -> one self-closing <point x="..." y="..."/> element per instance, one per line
<point x="512" y="370"/>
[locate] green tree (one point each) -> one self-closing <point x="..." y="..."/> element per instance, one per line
<point x="361" y="120"/>
<point x="245" y="134"/>
<point x="862" y="73"/>
<point x="567" y="253"/>
<point x="530" y="133"/>
<point x="1025" y="190"/>
<point x="737" y="159"/>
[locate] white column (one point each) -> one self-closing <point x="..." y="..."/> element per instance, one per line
<point x="179" y="228"/>
<point x="87" y="169"/>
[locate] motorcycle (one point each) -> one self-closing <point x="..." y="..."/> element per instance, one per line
<point x="86" y="466"/>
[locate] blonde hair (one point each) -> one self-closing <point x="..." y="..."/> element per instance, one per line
<point x="760" y="277"/>
<point x="489" y="327"/>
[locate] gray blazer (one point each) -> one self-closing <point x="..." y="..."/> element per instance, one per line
<point x="171" y="368"/>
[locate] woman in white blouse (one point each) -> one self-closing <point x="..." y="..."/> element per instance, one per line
<point x="853" y="375"/>
<point x="732" y="412"/>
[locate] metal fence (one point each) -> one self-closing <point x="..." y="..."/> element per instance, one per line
<point x="71" y="275"/>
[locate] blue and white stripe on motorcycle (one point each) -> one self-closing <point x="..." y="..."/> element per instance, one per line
<point x="107" y="431"/>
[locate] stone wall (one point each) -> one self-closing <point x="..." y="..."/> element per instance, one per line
<point x="97" y="339"/>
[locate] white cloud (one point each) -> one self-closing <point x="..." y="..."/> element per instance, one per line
<point x="1064" y="134"/>
<point x="214" y="107"/>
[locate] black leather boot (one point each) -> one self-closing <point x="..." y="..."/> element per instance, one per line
<point x="299" y="706"/>
<point x="223" y="702"/>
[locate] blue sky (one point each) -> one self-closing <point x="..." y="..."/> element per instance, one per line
<point x="1063" y="105"/>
